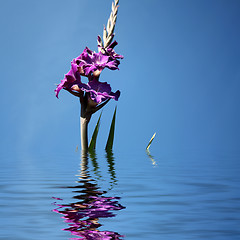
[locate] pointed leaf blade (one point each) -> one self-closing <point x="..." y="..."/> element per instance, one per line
<point x="92" y="144"/>
<point x="109" y="144"/>
<point x="149" y="144"/>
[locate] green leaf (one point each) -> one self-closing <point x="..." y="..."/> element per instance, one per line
<point x="109" y="144"/>
<point x="149" y="144"/>
<point x="92" y="144"/>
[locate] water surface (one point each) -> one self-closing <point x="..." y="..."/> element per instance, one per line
<point x="184" y="196"/>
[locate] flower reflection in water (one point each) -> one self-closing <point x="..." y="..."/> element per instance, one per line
<point x="83" y="216"/>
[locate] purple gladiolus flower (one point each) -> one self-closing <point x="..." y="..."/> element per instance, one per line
<point x="99" y="91"/>
<point x="89" y="61"/>
<point x="90" y="64"/>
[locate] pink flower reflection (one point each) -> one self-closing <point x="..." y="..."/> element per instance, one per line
<point x="82" y="217"/>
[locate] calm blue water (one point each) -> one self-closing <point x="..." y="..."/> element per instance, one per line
<point x="187" y="196"/>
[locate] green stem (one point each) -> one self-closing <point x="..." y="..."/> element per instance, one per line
<point x="84" y="133"/>
<point x="87" y="110"/>
<point x="84" y="120"/>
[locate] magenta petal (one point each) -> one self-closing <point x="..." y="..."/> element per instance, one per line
<point x="89" y="69"/>
<point x="71" y="78"/>
<point x="100" y="86"/>
<point x="116" y="95"/>
<point x="99" y="91"/>
<point x="113" y="65"/>
<point x="91" y="61"/>
<point x="101" y="59"/>
<point x="60" y="87"/>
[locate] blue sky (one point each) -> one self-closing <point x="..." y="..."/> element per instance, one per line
<point x="179" y="78"/>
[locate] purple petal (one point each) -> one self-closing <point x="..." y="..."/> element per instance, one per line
<point x="99" y="91"/>
<point x="60" y="87"/>
<point x="113" y="65"/>
<point x="116" y="95"/>
<point x="71" y="78"/>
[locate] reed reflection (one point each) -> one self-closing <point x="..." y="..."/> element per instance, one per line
<point x="84" y="215"/>
<point x="151" y="157"/>
<point x="96" y="169"/>
<point x="111" y="168"/>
